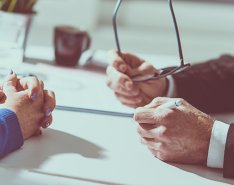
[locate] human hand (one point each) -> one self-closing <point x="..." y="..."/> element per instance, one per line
<point x="132" y="94"/>
<point x="179" y="135"/>
<point x="34" y="87"/>
<point x="28" y="110"/>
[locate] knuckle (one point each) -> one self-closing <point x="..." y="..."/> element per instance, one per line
<point x="41" y="83"/>
<point x="120" y="79"/>
<point x="53" y="93"/>
<point x="137" y="117"/>
<point x="51" y="119"/>
<point x="161" y="147"/>
<point x="161" y="156"/>
<point x="136" y="99"/>
<point x="135" y="92"/>
<point x="158" y="100"/>
<point x="182" y="100"/>
<point x="137" y="114"/>
<point x="139" y="130"/>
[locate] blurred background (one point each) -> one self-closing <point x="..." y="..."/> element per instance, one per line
<point x="145" y="26"/>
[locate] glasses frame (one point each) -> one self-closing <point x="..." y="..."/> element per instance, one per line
<point x="164" y="72"/>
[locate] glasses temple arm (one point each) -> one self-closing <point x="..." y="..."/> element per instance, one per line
<point x="115" y="25"/>
<point x="177" y="32"/>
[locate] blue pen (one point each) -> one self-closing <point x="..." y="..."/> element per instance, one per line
<point x="94" y="111"/>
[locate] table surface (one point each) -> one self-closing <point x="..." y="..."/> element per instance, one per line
<point x="82" y="148"/>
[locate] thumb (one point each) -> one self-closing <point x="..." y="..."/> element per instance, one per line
<point x="10" y="83"/>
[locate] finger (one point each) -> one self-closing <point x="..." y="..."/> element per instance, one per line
<point x="157" y="102"/>
<point x="123" y="91"/>
<point x="10" y="82"/>
<point x="147" y="68"/>
<point x="147" y="126"/>
<point x="145" y="133"/>
<point x="131" y="105"/>
<point x="154" y="152"/>
<point x="2" y="97"/>
<point x="116" y="79"/>
<point x="116" y="61"/>
<point x="137" y="100"/>
<point x="132" y="60"/>
<point x="33" y="85"/>
<point x="146" y="115"/>
<point x="152" y="144"/>
<point x="49" y="102"/>
<point x="158" y="133"/>
<point x="124" y="63"/>
<point x="130" y="91"/>
<point x="46" y="122"/>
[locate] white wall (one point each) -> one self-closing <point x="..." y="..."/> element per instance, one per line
<point x="50" y="13"/>
<point x="207" y="29"/>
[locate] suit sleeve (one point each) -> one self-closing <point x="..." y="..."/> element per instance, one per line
<point x="228" y="163"/>
<point x="208" y="86"/>
<point x="10" y="133"/>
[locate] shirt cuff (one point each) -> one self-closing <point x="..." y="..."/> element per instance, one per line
<point x="171" y="92"/>
<point x="217" y="145"/>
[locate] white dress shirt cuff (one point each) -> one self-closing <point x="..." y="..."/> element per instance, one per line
<point x="171" y="92"/>
<point x="217" y="145"/>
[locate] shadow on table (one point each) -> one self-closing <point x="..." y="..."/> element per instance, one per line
<point x="203" y="171"/>
<point x="78" y="178"/>
<point x="38" y="149"/>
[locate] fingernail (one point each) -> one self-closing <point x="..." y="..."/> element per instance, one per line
<point x="11" y="72"/>
<point x="48" y="112"/>
<point x="34" y="96"/>
<point x="47" y="125"/>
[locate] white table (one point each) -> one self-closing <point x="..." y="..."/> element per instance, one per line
<point x="81" y="148"/>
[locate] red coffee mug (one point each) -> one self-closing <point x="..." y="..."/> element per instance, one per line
<point x="69" y="44"/>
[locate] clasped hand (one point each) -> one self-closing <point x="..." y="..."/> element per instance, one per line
<point x="179" y="135"/>
<point x="32" y="104"/>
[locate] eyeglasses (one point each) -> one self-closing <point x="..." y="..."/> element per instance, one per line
<point x="164" y="72"/>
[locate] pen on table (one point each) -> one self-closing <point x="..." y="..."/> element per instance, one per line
<point x="94" y="111"/>
<point x="171" y="104"/>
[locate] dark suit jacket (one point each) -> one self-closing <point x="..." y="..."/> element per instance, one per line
<point x="209" y="87"/>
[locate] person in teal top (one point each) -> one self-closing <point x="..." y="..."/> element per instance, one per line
<point x="25" y="108"/>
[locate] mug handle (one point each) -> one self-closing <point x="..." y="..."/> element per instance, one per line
<point x="88" y="41"/>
